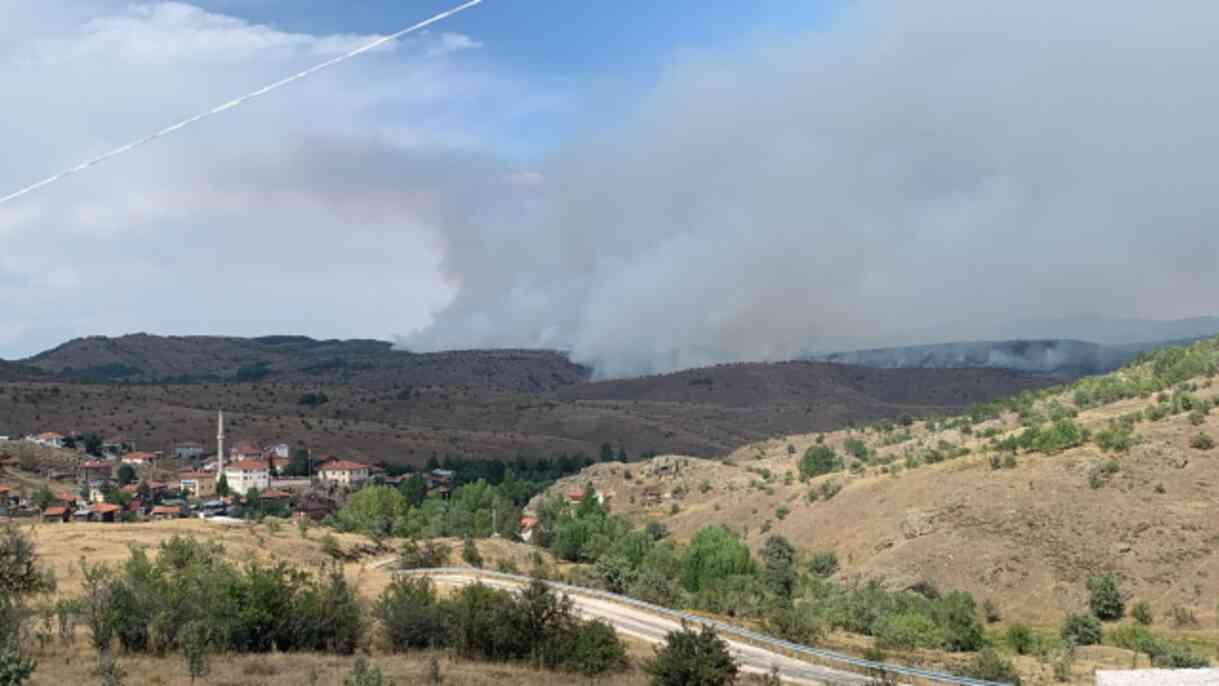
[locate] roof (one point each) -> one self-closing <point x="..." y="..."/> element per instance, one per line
<point x="103" y="508"/>
<point x="95" y="464"/>
<point x="49" y="435"/>
<point x="343" y="466"/>
<point x="139" y="457"/>
<point x="274" y="494"/>
<point x="166" y="509"/>
<point x="247" y="466"/>
<point x="247" y="448"/>
<point x="54" y="512"/>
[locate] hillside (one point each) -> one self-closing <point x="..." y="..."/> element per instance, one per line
<point x="408" y="408"/>
<point x="142" y="358"/>
<point x="1019" y="503"/>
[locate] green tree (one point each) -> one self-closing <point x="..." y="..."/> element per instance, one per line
<point x="298" y="463"/>
<point x="1104" y="598"/>
<point x="818" y="460"/>
<point x="470" y="554"/>
<point x="714" y="553"/>
<point x="824" y="563"/>
<point x="43" y="497"/>
<point x="1081" y="630"/>
<point x="125" y="474"/>
<point x="690" y="658"/>
<point x="92" y="443"/>
<point x="779" y="558"/>
<point x="195" y="638"/>
<point x="414" y="489"/>
<point x="222" y="486"/>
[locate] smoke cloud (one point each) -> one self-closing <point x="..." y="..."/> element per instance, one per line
<point x="916" y="173"/>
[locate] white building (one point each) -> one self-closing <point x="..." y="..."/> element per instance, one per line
<point x="1156" y="677"/>
<point x="49" y="438"/>
<point x="246" y="474"/>
<point x="343" y="473"/>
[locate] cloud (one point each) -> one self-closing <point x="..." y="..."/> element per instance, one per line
<point x="304" y="212"/>
<point x="916" y="173"/>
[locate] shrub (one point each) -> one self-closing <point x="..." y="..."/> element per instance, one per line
<point x="1201" y="441"/>
<point x="782" y="511"/>
<point x="907" y="631"/>
<point x="1183" y="616"/>
<point x="958" y="617"/>
<point x="593" y="648"/>
<point x="470" y="554"/>
<point x="1104" y="598"/>
<point x="1142" y="613"/>
<point x="714" y="553"/>
<point x="992" y="666"/>
<point x="818" y="460"/>
<point x="689" y="658"/>
<point x="364" y="674"/>
<point x="829" y="489"/>
<point x="409" y="613"/>
<point x="824" y="563"/>
<point x="1020" y="639"/>
<point x="1081" y="629"/>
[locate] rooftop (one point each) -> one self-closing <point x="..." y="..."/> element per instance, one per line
<point x="343" y="466"/>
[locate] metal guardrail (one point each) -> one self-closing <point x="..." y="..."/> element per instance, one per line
<point x="723" y="627"/>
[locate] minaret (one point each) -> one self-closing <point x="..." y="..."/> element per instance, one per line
<point x="220" y="444"/>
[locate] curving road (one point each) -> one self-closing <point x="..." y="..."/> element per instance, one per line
<point x="653" y="628"/>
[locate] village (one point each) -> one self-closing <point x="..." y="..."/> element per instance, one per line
<point x="113" y="481"/>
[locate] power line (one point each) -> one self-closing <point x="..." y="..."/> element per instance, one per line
<point x="238" y="101"/>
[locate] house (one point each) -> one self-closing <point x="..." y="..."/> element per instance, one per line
<point x="343" y="473"/>
<point x="56" y="514"/>
<point x="315" y="507"/>
<point x="162" y="512"/>
<point x="49" y="439"/>
<point x="246" y="474"/>
<point x="245" y="451"/>
<point x="105" y="512"/>
<point x="198" y="484"/>
<point x="188" y="451"/>
<point x="139" y="458"/>
<point x="272" y="494"/>
<point x="95" y="471"/>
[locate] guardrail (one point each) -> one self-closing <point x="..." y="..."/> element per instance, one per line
<point x="830" y="656"/>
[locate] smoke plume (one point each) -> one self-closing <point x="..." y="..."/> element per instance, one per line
<point x="914" y="168"/>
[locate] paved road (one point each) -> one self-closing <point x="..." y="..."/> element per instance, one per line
<point x="653" y="629"/>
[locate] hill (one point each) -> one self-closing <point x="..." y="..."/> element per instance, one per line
<point x="1018" y="502"/>
<point x="383" y="404"/>
<point x="142" y="358"/>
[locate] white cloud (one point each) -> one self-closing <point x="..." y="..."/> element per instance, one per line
<point x="308" y="211"/>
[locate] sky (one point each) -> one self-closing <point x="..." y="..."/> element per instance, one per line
<point x="650" y="186"/>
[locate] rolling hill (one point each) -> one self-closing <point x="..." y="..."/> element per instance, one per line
<point x="364" y="399"/>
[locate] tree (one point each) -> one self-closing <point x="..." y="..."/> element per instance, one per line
<point x="818" y="460"/>
<point x="824" y="563"/>
<point x="1081" y="630"/>
<point x="125" y="475"/>
<point x="414" y="489"/>
<point x="470" y="554"/>
<point x="222" y="486"/>
<point x="779" y="557"/>
<point x="692" y="659"/>
<point x="43" y="497"/>
<point x="93" y="444"/>
<point x="607" y="452"/>
<point x="714" y="553"/>
<point x="298" y="464"/>
<point x="20" y="576"/>
<point x="195" y="639"/>
<point x="1104" y="598"/>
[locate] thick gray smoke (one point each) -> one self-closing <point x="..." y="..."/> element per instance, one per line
<point x="917" y="167"/>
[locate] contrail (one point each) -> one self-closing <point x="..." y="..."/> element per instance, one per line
<point x="238" y="101"/>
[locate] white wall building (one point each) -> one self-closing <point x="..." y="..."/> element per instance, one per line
<point x="343" y="473"/>
<point x="246" y="474"/>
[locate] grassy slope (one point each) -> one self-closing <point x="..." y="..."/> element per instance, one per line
<point x="1026" y="537"/>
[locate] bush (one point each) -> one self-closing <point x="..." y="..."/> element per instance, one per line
<point x="593" y="648"/>
<point x="1020" y="639"/>
<point x="409" y="613"/>
<point x="692" y="659"/>
<point x="1142" y="613"/>
<point x="364" y="674"/>
<point x="1201" y="441"/>
<point x="990" y="611"/>
<point x="1081" y="630"/>
<point x="992" y="666"/>
<point x="470" y="554"/>
<point x="907" y="631"/>
<point x="714" y="553"/>
<point x="958" y="617"/>
<point x="1104" y="598"/>
<point x="818" y="460"/>
<point x="824" y="563"/>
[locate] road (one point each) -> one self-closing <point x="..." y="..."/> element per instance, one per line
<point x="652" y="628"/>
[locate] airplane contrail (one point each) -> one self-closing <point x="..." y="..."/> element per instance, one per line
<point x="238" y="101"/>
